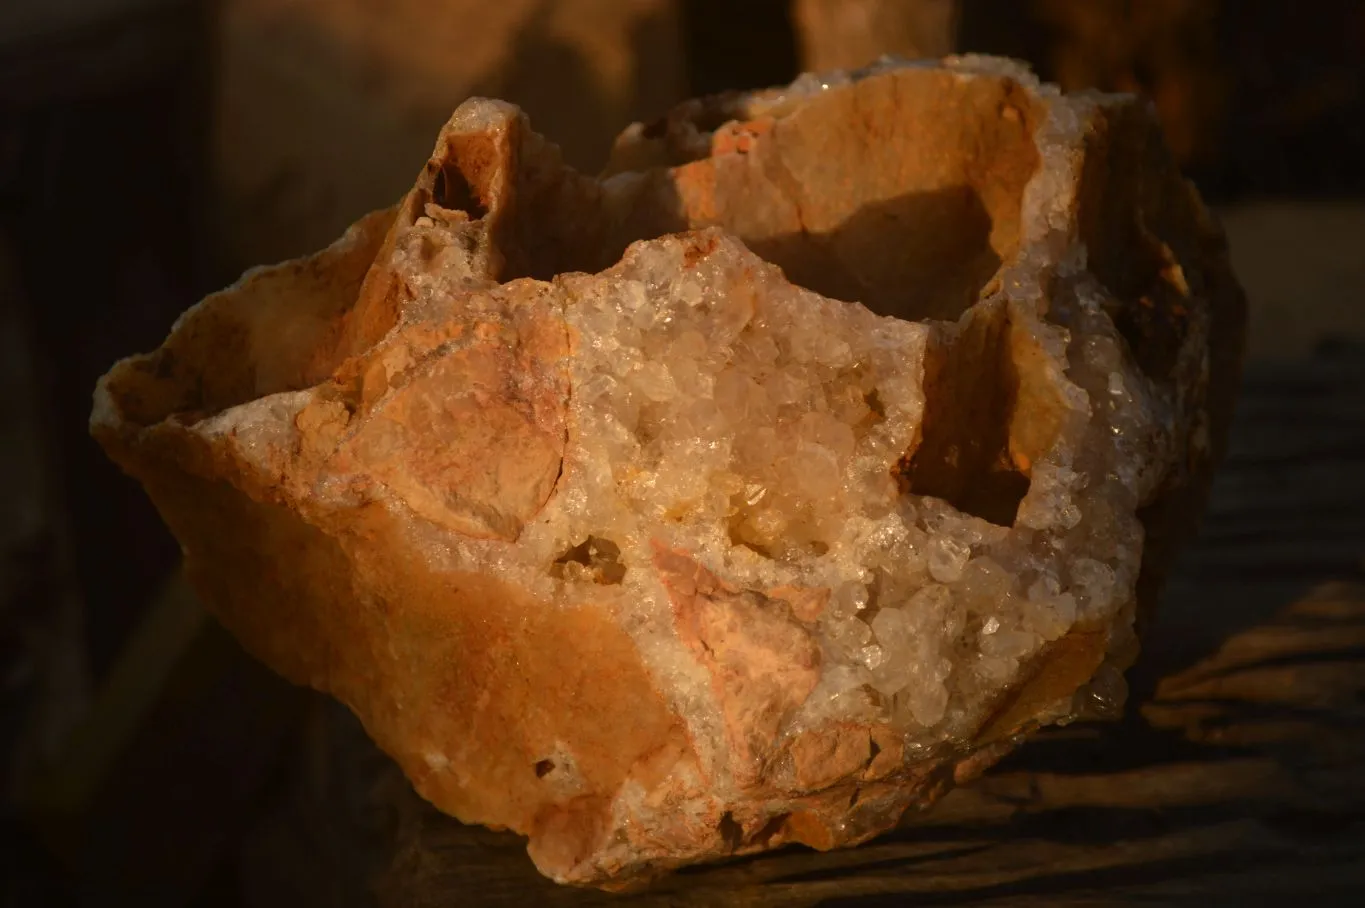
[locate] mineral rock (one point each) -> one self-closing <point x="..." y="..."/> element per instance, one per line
<point x="752" y="493"/>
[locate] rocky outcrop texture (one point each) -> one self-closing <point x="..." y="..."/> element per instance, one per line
<point x="752" y="493"/>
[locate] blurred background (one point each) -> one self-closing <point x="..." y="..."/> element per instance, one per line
<point x="152" y="149"/>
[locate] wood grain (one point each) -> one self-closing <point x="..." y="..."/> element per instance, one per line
<point x="1236" y="777"/>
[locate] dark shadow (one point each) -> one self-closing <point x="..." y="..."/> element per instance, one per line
<point x="1260" y="97"/>
<point x="71" y="110"/>
<point x="542" y="70"/>
<point x="1062" y="884"/>
<point x="738" y="46"/>
<point x="598" y="560"/>
<point x="888" y="865"/>
<point x="453" y="192"/>
<point x="1284" y="519"/>
<point x="1007" y="29"/>
<point x="919" y="255"/>
<point x="971" y="391"/>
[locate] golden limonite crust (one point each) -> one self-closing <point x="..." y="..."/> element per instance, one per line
<point x="753" y="492"/>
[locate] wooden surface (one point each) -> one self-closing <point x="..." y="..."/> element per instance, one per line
<point x="1238" y="777"/>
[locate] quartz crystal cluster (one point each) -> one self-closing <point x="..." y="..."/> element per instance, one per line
<point x="753" y="492"/>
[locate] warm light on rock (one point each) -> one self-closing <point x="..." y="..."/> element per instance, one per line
<point x="752" y="493"/>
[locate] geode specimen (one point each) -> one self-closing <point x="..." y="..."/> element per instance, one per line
<point x="752" y="493"/>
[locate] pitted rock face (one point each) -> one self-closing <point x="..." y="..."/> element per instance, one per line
<point x="752" y="493"/>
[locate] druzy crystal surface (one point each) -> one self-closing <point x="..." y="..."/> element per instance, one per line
<point x="753" y="492"/>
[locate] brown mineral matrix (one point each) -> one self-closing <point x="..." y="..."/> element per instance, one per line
<point x="755" y="492"/>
